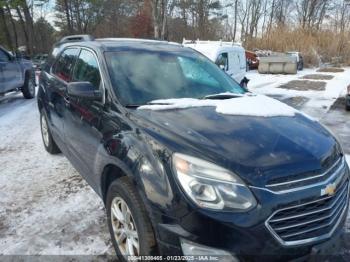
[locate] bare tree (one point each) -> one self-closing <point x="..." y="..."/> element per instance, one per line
<point x="5" y="28"/>
<point x="160" y="9"/>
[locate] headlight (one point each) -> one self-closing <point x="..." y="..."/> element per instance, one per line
<point x="211" y="186"/>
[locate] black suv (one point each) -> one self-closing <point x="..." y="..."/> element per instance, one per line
<point x="186" y="161"/>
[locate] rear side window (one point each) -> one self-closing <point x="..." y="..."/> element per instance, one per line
<point x="65" y="63"/>
<point x="3" y="56"/>
<point x="86" y="69"/>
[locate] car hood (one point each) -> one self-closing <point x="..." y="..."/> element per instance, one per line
<point x="258" y="149"/>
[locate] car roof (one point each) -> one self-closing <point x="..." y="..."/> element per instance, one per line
<point x="124" y="44"/>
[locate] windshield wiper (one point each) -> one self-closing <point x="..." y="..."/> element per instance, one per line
<point x="132" y="106"/>
<point x="222" y="96"/>
<point x="149" y="103"/>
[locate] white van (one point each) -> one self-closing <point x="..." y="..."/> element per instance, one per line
<point x="229" y="56"/>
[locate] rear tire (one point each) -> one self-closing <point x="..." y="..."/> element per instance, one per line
<point x="48" y="141"/>
<point x="28" y="88"/>
<point x="347" y="107"/>
<point x="123" y="192"/>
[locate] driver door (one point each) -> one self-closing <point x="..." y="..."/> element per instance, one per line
<point x="82" y="125"/>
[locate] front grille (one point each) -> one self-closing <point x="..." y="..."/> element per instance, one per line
<point x="310" y="221"/>
<point x="300" y="181"/>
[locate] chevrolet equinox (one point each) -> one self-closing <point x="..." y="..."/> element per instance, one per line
<point x="186" y="161"/>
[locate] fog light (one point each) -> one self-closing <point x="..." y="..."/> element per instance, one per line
<point x="198" y="251"/>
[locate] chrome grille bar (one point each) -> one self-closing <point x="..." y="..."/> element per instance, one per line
<point x="315" y="228"/>
<point x="306" y="227"/>
<point x="308" y="203"/>
<point x="289" y="184"/>
<point x="315" y="220"/>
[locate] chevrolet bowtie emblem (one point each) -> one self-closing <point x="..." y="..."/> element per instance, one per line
<point x="329" y="190"/>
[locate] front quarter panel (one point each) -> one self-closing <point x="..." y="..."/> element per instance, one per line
<point x="144" y="160"/>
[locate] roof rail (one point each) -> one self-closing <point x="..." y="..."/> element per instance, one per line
<point x="137" y="40"/>
<point x="201" y="42"/>
<point x="76" y="38"/>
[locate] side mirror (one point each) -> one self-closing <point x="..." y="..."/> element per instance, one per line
<point x="83" y="90"/>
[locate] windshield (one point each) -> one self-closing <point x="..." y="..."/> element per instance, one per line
<point x="140" y="77"/>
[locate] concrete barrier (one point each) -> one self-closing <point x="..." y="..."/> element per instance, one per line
<point x="278" y="65"/>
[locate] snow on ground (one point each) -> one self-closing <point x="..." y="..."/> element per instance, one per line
<point x="45" y="206"/>
<point x="319" y="101"/>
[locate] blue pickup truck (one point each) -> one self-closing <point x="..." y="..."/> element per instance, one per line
<point x="16" y="74"/>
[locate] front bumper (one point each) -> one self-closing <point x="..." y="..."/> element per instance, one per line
<point x="247" y="235"/>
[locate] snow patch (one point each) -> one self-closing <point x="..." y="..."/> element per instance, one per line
<point x="248" y="105"/>
<point x="319" y="101"/>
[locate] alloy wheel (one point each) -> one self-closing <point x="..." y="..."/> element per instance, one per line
<point x="124" y="228"/>
<point x="44" y="131"/>
<point x="31" y="88"/>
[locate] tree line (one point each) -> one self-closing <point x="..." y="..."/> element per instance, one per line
<point x="269" y="24"/>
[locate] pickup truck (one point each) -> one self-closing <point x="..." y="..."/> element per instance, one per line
<point x="16" y="74"/>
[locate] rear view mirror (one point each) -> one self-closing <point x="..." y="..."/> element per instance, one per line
<point x="83" y="90"/>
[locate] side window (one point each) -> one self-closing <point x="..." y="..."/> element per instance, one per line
<point x="222" y="61"/>
<point x="65" y="63"/>
<point x="86" y="69"/>
<point x="4" y="57"/>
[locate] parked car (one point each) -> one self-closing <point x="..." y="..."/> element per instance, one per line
<point x="229" y="56"/>
<point x="16" y="74"/>
<point x="299" y="58"/>
<point x="179" y="176"/>
<point x="39" y="60"/>
<point x="347" y="98"/>
<point x="252" y="60"/>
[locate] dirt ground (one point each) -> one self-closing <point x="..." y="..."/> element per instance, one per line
<point x="330" y="70"/>
<point x="338" y="120"/>
<point x="318" y="77"/>
<point x="305" y="85"/>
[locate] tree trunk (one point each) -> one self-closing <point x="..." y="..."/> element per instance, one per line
<point x="68" y="18"/>
<point x="30" y="25"/>
<point x="23" y="25"/>
<point x="5" y="28"/>
<point x="13" y="25"/>
<point x="235" y="21"/>
<point x="155" y="15"/>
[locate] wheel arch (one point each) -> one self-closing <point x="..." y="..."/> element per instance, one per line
<point x="110" y="173"/>
<point x="28" y="72"/>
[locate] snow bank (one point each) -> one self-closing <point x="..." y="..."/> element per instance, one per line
<point x="248" y="105"/>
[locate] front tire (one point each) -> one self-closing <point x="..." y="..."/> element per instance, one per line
<point x="48" y="141"/>
<point x="28" y="89"/>
<point x="128" y="221"/>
